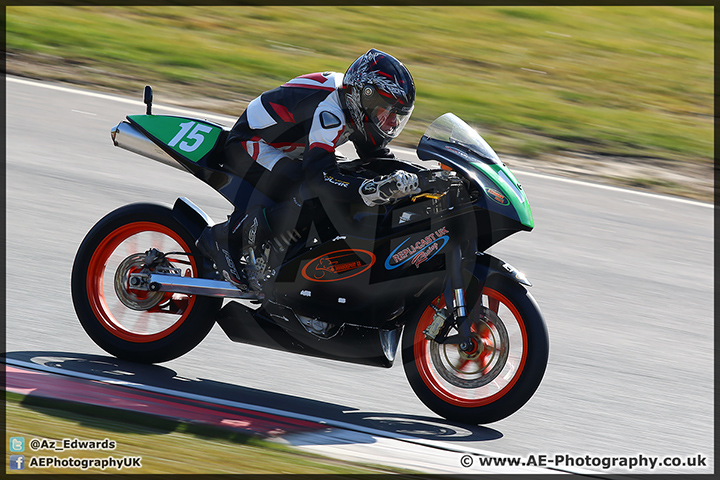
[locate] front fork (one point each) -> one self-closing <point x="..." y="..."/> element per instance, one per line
<point x="458" y="314"/>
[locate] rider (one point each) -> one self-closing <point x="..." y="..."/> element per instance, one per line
<point x="284" y="145"/>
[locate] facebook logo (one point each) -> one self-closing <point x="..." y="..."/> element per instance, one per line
<point x="17" y="462"/>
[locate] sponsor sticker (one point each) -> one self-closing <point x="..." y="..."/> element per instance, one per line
<point x="338" y="265"/>
<point x="419" y="252"/>
<point x="497" y="196"/>
<point x="457" y="151"/>
<point x="335" y="181"/>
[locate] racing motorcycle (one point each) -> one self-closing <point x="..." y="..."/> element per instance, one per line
<point x="356" y="283"/>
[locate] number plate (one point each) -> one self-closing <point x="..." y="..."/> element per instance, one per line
<point x="193" y="139"/>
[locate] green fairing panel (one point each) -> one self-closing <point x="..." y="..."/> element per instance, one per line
<point x="190" y="138"/>
<point x="510" y="189"/>
<point x="452" y="130"/>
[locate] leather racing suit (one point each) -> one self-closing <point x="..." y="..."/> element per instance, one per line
<point x="289" y="135"/>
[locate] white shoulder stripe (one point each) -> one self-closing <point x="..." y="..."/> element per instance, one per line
<point x="336" y="79"/>
<point x="331" y="135"/>
<point x="257" y="116"/>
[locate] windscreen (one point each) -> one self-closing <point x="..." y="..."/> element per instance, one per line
<point x="449" y="128"/>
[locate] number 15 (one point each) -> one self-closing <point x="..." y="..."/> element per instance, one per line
<point x="194" y="135"/>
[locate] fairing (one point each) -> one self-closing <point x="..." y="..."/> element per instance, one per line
<point x="454" y="143"/>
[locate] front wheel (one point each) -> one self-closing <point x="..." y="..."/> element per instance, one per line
<point x="136" y="325"/>
<point x="498" y="375"/>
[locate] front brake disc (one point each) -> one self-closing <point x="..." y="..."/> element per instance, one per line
<point x="481" y="366"/>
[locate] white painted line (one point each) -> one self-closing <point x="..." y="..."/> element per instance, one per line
<point x="84" y="113"/>
<point x="273" y="411"/>
<point x="520" y="172"/>
<point x="359" y="447"/>
<point x="406" y="151"/>
<point x="115" y="98"/>
<point x="615" y="189"/>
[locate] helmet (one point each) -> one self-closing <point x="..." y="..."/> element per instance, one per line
<point x="379" y="93"/>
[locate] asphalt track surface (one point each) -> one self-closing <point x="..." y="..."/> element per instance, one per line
<point x="624" y="280"/>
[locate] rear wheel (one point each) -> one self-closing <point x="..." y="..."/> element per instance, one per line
<point x="495" y="377"/>
<point x="141" y="326"/>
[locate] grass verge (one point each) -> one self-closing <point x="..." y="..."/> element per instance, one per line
<point x="166" y="446"/>
<point x="622" y="81"/>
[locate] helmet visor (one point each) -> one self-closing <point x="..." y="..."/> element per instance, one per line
<point x="389" y="120"/>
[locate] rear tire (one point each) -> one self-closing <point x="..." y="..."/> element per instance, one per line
<point x="498" y="378"/>
<point x="145" y="327"/>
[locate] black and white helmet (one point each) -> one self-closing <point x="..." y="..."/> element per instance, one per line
<point x="379" y="94"/>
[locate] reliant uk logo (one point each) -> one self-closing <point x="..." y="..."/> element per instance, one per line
<point x="418" y="252"/>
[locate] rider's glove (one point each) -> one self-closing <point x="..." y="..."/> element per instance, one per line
<point x="384" y="189"/>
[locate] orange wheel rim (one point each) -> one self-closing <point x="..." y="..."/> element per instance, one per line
<point x="124" y="323"/>
<point x="507" y="378"/>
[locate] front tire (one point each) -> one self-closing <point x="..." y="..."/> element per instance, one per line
<point x="140" y="326"/>
<point x="495" y="379"/>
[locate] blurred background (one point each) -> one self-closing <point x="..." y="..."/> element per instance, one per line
<point x="623" y="94"/>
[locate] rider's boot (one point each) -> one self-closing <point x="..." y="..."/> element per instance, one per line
<point x="249" y="235"/>
<point x="283" y="220"/>
<point x="222" y="243"/>
<point x="255" y="232"/>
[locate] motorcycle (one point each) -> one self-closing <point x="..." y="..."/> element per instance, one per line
<point x="355" y="283"/>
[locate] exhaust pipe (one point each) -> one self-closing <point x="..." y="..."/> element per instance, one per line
<point x="125" y="135"/>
